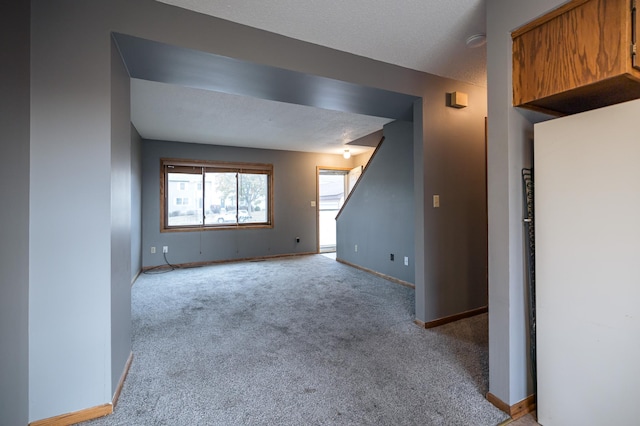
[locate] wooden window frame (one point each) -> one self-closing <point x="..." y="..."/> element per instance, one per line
<point x="169" y="165"/>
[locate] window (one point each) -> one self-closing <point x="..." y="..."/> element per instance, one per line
<point x="225" y="195"/>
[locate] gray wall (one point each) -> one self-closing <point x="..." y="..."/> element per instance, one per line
<point x="294" y="189"/>
<point x="120" y="217"/>
<point x="510" y="133"/>
<point x="455" y="235"/>
<point x="136" y="203"/>
<point x="379" y="215"/>
<point x="14" y="215"/>
<point x="70" y="334"/>
<point x="70" y="298"/>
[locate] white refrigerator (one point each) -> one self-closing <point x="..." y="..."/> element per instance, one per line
<point x="587" y="219"/>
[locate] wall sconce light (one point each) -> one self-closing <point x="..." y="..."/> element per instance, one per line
<point x="458" y="100"/>
<point x="346" y="154"/>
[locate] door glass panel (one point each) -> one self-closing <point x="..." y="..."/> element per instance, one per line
<point x="331" y="185"/>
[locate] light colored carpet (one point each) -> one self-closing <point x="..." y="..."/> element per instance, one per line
<point x="296" y="341"/>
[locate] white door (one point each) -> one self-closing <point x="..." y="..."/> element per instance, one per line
<point x="587" y="215"/>
<point x="354" y="175"/>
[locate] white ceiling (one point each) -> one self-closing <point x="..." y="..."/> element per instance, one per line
<point x="202" y="116"/>
<point x="425" y="35"/>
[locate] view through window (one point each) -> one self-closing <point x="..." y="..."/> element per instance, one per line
<point x="214" y="195"/>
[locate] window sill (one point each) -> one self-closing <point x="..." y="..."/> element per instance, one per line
<point x="233" y="226"/>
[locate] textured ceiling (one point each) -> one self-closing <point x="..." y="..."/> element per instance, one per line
<point x="200" y="116"/>
<point x="425" y="35"/>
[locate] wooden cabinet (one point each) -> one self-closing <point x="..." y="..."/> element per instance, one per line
<point x="578" y="57"/>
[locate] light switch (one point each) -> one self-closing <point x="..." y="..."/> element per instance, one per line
<point x="313" y="204"/>
<point x="436" y="201"/>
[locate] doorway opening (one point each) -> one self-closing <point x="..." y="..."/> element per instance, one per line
<point x="334" y="186"/>
<point x="332" y="191"/>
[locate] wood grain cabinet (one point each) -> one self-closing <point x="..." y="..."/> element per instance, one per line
<point x="578" y="57"/>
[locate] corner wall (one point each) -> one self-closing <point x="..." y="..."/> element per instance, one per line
<point x="136" y="203"/>
<point x="121" y="219"/>
<point x="294" y="189"/>
<point x="510" y="135"/>
<point x="380" y="213"/>
<point x="14" y="215"/>
<point x="70" y="217"/>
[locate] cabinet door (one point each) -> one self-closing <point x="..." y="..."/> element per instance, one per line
<point x="576" y="58"/>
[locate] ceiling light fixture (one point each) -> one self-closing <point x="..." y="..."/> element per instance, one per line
<point x="346" y="154"/>
<point x="476" y="40"/>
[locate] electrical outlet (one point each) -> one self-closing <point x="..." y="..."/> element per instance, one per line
<point x="356" y="248"/>
<point x="165" y="249"/>
<point x="436" y="201"/>
<point x="392" y="257"/>
<point x="153" y="250"/>
<point x="297" y="239"/>
<point x="406" y="261"/>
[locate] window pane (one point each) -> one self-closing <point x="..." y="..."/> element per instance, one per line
<point x="220" y="198"/>
<point x="180" y="189"/>
<point x="212" y="195"/>
<point x="253" y="197"/>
